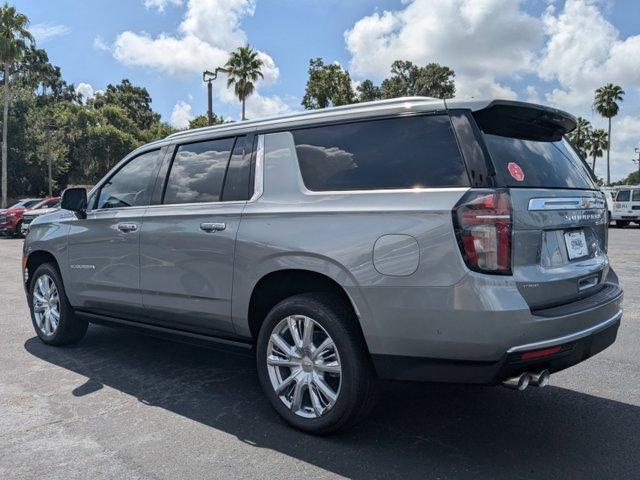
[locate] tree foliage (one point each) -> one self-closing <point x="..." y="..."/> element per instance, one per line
<point x="83" y="139"/>
<point x="328" y="85"/>
<point x="580" y="135"/>
<point x="606" y="104"/>
<point x="244" y="68"/>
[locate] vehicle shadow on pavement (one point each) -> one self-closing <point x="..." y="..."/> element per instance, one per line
<point x="416" y="430"/>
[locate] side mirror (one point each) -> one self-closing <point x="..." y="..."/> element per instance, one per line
<point x="75" y="200"/>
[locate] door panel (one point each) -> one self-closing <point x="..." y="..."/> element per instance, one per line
<point x="104" y="261"/>
<point x="186" y="260"/>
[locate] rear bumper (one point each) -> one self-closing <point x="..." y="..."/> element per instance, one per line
<point x="573" y="350"/>
<point x="476" y="331"/>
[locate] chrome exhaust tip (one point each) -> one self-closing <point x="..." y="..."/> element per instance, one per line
<point x="519" y="382"/>
<point x="540" y="379"/>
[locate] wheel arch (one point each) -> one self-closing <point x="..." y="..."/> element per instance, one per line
<point x="275" y="286"/>
<point x="37" y="258"/>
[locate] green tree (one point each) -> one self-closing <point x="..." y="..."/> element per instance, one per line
<point x="368" y="92"/>
<point x="136" y="101"/>
<point x="407" y="79"/>
<point x="328" y="85"/>
<point x="244" y="67"/>
<point x="580" y="135"/>
<point x="596" y="143"/>
<point x="202" y="121"/>
<point x="14" y="38"/>
<point x="606" y="104"/>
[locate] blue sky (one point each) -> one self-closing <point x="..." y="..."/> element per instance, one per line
<point x="554" y="52"/>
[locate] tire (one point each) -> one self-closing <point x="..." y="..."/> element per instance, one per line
<point x="354" y="386"/>
<point x="18" y="231"/>
<point x="69" y="328"/>
<point x="622" y="223"/>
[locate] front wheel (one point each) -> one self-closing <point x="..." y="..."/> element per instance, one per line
<point x="313" y="363"/>
<point x="53" y="318"/>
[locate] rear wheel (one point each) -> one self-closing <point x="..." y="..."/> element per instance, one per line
<point x="53" y="318"/>
<point x="313" y="364"/>
<point x="622" y="223"/>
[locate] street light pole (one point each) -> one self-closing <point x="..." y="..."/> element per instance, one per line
<point x="49" y="159"/>
<point x="208" y="77"/>
<point x="637" y="160"/>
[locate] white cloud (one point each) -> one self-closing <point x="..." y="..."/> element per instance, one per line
<point x="160" y="5"/>
<point x="86" y="90"/>
<point x="181" y="115"/>
<point x="260" y="106"/>
<point x="45" y="31"/>
<point x="584" y="51"/>
<point x="100" y="44"/>
<point x="482" y="40"/>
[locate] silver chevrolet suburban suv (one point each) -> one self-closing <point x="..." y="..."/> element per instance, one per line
<point x="413" y="239"/>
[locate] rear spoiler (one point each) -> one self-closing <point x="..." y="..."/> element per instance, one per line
<point x="526" y="121"/>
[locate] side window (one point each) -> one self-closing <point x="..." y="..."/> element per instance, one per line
<point x="623" y="196"/>
<point x="197" y="172"/>
<point x="131" y="186"/>
<point x="396" y="153"/>
<point x="636" y="196"/>
<point x="237" y="182"/>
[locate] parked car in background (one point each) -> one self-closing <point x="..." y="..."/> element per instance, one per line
<point x="11" y="218"/>
<point x="626" y="208"/>
<point x="49" y="205"/>
<point x="412" y="239"/>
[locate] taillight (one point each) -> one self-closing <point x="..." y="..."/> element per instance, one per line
<point x="482" y="220"/>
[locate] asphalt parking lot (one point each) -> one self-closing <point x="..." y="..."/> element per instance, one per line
<point x="123" y="405"/>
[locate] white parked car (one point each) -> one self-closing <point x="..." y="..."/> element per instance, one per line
<point x="626" y="207"/>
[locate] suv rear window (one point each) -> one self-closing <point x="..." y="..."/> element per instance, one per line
<point x="541" y="164"/>
<point x="394" y="153"/>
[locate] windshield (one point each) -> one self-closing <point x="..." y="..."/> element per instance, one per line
<point x="538" y="164"/>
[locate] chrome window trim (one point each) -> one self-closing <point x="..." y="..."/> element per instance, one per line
<point x="566" y="203"/>
<point x="258" y="181"/>
<point x="306" y="191"/>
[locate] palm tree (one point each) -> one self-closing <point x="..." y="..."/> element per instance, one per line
<point x="244" y="68"/>
<point x="606" y="105"/>
<point x="13" y="43"/>
<point x="597" y="142"/>
<point x="580" y="135"/>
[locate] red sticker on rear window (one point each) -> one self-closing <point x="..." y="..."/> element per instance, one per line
<point x="515" y="171"/>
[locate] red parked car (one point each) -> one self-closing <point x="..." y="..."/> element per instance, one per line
<point x="11" y="218"/>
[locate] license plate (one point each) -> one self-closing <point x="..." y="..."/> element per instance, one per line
<point x="576" y="244"/>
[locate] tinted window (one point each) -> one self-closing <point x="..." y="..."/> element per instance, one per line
<point x="544" y="164"/>
<point x="236" y="184"/>
<point x="197" y="172"/>
<point x="623" y="196"/>
<point x="131" y="185"/>
<point x="30" y="203"/>
<point x="636" y="196"/>
<point x="407" y="152"/>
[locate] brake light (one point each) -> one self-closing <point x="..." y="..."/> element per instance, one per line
<point x="482" y="220"/>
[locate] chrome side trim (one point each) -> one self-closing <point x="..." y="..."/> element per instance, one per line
<point x="566" y="203"/>
<point x="568" y="338"/>
<point x="258" y="185"/>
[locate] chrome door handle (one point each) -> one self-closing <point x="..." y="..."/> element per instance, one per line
<point x="127" y="227"/>
<point x="212" y="227"/>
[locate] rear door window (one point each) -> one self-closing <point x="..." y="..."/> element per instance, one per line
<point x="636" y="196"/>
<point x="395" y="153"/>
<point x="538" y="164"/>
<point x="197" y="172"/>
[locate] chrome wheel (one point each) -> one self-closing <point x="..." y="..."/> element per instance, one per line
<point x="304" y="366"/>
<point x="46" y="304"/>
